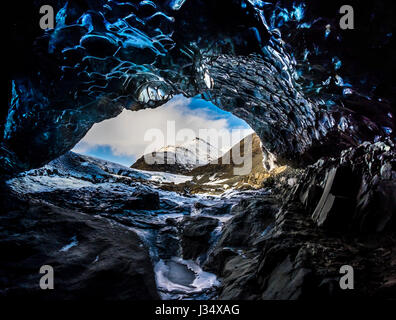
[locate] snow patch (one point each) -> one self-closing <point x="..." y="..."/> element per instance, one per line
<point x="202" y="280"/>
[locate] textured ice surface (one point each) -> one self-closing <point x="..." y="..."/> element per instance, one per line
<point x="265" y="62"/>
<point x="178" y="278"/>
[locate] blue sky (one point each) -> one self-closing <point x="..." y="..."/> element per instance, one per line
<point x="106" y="152"/>
<point x="122" y="139"/>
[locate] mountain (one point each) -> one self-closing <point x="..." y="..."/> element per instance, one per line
<point x="211" y="174"/>
<point x="221" y="173"/>
<point x="179" y="159"/>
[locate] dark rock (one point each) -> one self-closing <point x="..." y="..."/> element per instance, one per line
<point x="356" y="190"/>
<point x="221" y="208"/>
<point x="195" y="235"/>
<point x="286" y="282"/>
<point x="94" y="200"/>
<point x="239" y="280"/>
<point x="340" y="212"/>
<point x="168" y="242"/>
<point x="251" y="218"/>
<point x="376" y="209"/>
<point x="235" y="256"/>
<point x="336" y="205"/>
<point x="167" y="205"/>
<point x="142" y="200"/>
<point x="92" y="258"/>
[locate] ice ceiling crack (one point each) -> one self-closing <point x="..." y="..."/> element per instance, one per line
<point x="253" y="58"/>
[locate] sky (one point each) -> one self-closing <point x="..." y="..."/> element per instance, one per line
<point x="132" y="134"/>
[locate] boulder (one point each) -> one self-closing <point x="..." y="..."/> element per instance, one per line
<point x="142" y="200"/>
<point x="195" y="235"/>
<point x="337" y="202"/>
<point x="92" y="258"/>
<point x="168" y="242"/>
<point x="353" y="192"/>
<point x="292" y="245"/>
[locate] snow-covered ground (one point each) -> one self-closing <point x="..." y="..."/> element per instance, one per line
<point x="87" y="183"/>
<point x="77" y="171"/>
<point x="165" y="177"/>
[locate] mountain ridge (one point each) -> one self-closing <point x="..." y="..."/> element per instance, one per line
<point x="180" y="158"/>
<point x="223" y="172"/>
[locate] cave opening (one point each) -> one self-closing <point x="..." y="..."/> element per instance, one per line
<point x="131" y="134"/>
<point x="185" y="136"/>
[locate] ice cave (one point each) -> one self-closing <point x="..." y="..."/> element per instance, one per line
<point x="321" y="193"/>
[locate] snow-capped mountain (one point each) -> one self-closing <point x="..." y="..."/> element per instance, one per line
<point x="180" y="158"/>
<point x="219" y="175"/>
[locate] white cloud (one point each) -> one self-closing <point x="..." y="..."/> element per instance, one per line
<point x="125" y="134"/>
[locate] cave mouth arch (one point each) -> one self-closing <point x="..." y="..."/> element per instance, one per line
<point x="246" y="60"/>
<point x="132" y="134"/>
<point x="52" y="110"/>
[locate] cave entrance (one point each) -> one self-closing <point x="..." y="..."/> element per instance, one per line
<point x="186" y="136"/>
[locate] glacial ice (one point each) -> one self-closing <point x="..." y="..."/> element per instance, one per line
<point x="140" y="54"/>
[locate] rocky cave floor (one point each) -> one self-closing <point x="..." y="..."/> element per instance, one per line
<point x="112" y="233"/>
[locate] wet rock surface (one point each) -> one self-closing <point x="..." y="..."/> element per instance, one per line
<point x="286" y="241"/>
<point x="92" y="257"/>
<point x="195" y="235"/>
<point x="312" y="229"/>
<point x="94" y="221"/>
<point x="357" y="189"/>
